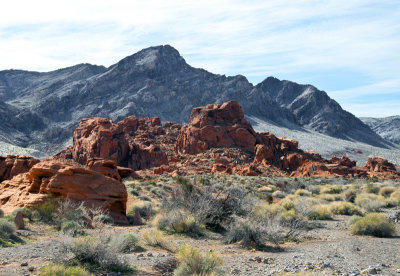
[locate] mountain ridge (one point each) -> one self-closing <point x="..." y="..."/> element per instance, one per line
<point x="157" y="81"/>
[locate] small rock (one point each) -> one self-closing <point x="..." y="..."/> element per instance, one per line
<point x="31" y="268"/>
<point x="160" y="255"/>
<point x="252" y="260"/>
<point x="369" y="271"/>
<point x="258" y="259"/>
<point x="19" y="221"/>
<point x="112" y="274"/>
<point x="4" y="263"/>
<point x="140" y="255"/>
<point x="398" y="270"/>
<point x="235" y="271"/>
<point x="149" y="254"/>
<point x="24" y="264"/>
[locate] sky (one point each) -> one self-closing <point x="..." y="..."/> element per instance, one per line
<point x="348" y="48"/>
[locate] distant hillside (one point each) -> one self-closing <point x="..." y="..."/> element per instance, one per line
<point x="41" y="110"/>
<point x="388" y="128"/>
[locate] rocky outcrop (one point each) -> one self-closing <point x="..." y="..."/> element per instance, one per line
<point x="12" y="165"/>
<point x="129" y="143"/>
<point x="68" y="181"/>
<point x="224" y="127"/>
<point x="216" y="126"/>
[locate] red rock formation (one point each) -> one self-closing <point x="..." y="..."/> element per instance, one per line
<point x="69" y="181"/>
<point x="12" y="165"/>
<point x="216" y="126"/>
<point x="129" y="143"/>
<point x="105" y="167"/>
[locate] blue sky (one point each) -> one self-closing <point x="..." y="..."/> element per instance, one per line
<point x="348" y="48"/>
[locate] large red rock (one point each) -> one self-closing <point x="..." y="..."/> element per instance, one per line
<point x="216" y="126"/>
<point x="13" y="165"/>
<point x="129" y="143"/>
<point x="69" y="181"/>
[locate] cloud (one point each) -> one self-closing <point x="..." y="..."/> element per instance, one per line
<point x="294" y="40"/>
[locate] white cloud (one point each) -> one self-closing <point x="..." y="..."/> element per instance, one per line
<point x="253" y="38"/>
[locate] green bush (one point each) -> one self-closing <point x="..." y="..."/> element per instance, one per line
<point x="373" y="224"/>
<point x="1" y="213"/>
<point x="350" y="196"/>
<point x="303" y="192"/>
<point x="395" y="198"/>
<point x="344" y="208"/>
<point x="331" y="190"/>
<point x="71" y="228"/>
<point x="145" y="209"/>
<point x="320" y="212"/>
<point x="106" y="219"/>
<point x="156" y="238"/>
<point x="62" y="270"/>
<point x="6" y="229"/>
<point x="193" y="262"/>
<point x="124" y="243"/>
<point x="387" y="191"/>
<point x="96" y="252"/>
<point x="370" y="202"/>
<point x="45" y="211"/>
<point x="179" y="222"/>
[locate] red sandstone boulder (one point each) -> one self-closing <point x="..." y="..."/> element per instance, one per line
<point x="66" y="180"/>
<point x="129" y="143"/>
<point x="99" y="137"/>
<point x="105" y="167"/>
<point x="216" y="126"/>
<point x="12" y="165"/>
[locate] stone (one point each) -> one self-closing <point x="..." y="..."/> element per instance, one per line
<point x="216" y="126"/>
<point x="19" y="221"/>
<point x="24" y="264"/>
<point x="68" y="181"/>
<point x="12" y="165"/>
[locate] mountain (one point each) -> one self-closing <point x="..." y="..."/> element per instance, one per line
<point x="388" y="127"/>
<point x="41" y="110"/>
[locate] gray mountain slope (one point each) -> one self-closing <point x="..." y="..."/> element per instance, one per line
<point x="388" y="127"/>
<point x="315" y="110"/>
<point x="156" y="82"/>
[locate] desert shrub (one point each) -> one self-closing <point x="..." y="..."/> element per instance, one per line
<point x="278" y="194"/>
<point x="287" y="203"/>
<point x="145" y="209"/>
<point x="68" y="211"/>
<point x="45" y="211"/>
<point x="331" y="190"/>
<point x="1" y="213"/>
<point x="105" y="219"/>
<point x="303" y="192"/>
<point x="144" y="197"/>
<point x="156" y="238"/>
<point x="320" y="212"/>
<point x="212" y="206"/>
<point x="193" y="262"/>
<point x="246" y="231"/>
<point x="315" y="190"/>
<point x="96" y="252"/>
<point x="124" y="243"/>
<point x="373" y="224"/>
<point x="344" y="208"/>
<point x="63" y="270"/>
<point x="387" y="191"/>
<point x="371" y="188"/>
<point x="350" y="196"/>
<point x="303" y="205"/>
<point x="330" y="197"/>
<point x="71" y="228"/>
<point x="395" y="198"/>
<point x="370" y="202"/>
<point x="180" y="222"/>
<point x="353" y="219"/>
<point x="6" y="228"/>
<point x="272" y="226"/>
